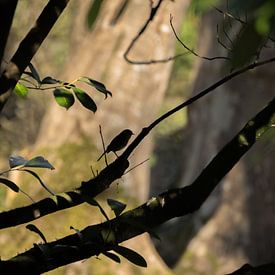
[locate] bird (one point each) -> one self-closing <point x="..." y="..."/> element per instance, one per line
<point x="118" y="142"/>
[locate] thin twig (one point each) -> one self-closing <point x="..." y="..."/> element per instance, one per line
<point x="192" y="51"/>
<point x="141" y="31"/>
<point x="146" y="130"/>
<point x="103" y="145"/>
<point x="126" y="172"/>
<point x="219" y="41"/>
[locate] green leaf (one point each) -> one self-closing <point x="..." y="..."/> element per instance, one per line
<point x="34" y="73"/>
<point x="96" y="84"/>
<point x="34" y="229"/>
<point x="130" y="255"/>
<point x="112" y="256"/>
<point x="10" y="184"/>
<point x="116" y="206"/>
<point x="15" y="161"/>
<point x="38" y="162"/>
<point x="85" y="99"/>
<point x="63" y="97"/>
<point x="20" y="90"/>
<point x="40" y="181"/>
<point x="49" y="80"/>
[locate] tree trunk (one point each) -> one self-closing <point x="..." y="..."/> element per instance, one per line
<point x="241" y="224"/>
<point x="138" y="90"/>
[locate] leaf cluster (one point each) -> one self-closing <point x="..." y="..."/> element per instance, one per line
<point x="64" y="92"/>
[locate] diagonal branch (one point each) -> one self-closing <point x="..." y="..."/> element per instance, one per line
<point x="7" y="9"/>
<point x="173" y="203"/>
<point x="28" y="47"/>
<point x="145" y="131"/>
<point x="115" y="170"/>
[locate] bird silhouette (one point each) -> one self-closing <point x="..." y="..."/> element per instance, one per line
<point x="118" y="142"/>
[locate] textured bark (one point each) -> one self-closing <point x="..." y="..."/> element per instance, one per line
<point x="137" y="90"/>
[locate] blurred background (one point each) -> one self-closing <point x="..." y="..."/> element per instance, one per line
<point x="236" y="223"/>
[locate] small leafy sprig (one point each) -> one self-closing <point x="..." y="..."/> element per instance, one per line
<point x="64" y="93"/>
<point x="18" y="163"/>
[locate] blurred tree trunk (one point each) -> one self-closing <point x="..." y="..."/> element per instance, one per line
<point x="241" y="209"/>
<point x="137" y="90"/>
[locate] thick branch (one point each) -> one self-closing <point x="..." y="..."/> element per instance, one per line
<point x="28" y="47"/>
<point x="7" y="9"/>
<point x="66" y="200"/>
<point x="176" y="202"/>
<point x="114" y="171"/>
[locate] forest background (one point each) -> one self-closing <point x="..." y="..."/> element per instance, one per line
<point x="234" y="225"/>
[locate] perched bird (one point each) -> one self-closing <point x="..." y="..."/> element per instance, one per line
<point x="118" y="142"/>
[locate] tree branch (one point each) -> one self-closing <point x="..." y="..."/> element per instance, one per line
<point x="177" y="202"/>
<point x="153" y="12"/>
<point x="145" y="131"/>
<point x="114" y="171"/>
<point x="28" y="48"/>
<point x="7" y="9"/>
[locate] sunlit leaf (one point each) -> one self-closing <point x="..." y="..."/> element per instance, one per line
<point x="116" y="206"/>
<point x="96" y="84"/>
<point x="49" y="80"/>
<point x="38" y="162"/>
<point x="15" y="161"/>
<point x="64" y="98"/>
<point x="34" y="229"/>
<point x="10" y="184"/>
<point x="85" y="99"/>
<point x="112" y="256"/>
<point x="39" y="179"/>
<point x="20" y="90"/>
<point x="34" y="73"/>
<point x="130" y="255"/>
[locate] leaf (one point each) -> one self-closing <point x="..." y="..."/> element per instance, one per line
<point x="15" y="161"/>
<point x="85" y="99"/>
<point x="38" y="162"/>
<point x="96" y="84"/>
<point x="130" y="255"/>
<point x="34" y="73"/>
<point x="49" y="80"/>
<point x="20" y="90"/>
<point x="64" y="98"/>
<point x="116" y="206"/>
<point x="40" y="181"/>
<point x="93" y="202"/>
<point x="10" y="184"/>
<point x="112" y="256"/>
<point x="34" y="229"/>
